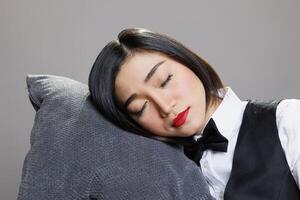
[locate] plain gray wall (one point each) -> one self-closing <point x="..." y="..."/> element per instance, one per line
<point x="253" y="44"/>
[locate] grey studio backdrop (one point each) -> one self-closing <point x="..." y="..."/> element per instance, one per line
<point x="254" y="45"/>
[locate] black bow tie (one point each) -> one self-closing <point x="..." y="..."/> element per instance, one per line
<point x="211" y="139"/>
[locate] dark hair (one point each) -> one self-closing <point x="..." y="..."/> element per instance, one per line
<point x="113" y="55"/>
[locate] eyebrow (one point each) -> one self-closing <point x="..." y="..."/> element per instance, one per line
<point x="148" y="77"/>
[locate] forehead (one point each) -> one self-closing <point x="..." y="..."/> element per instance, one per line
<point x="141" y="62"/>
<point x="134" y="70"/>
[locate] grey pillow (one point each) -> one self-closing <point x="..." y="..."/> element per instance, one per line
<point x="76" y="154"/>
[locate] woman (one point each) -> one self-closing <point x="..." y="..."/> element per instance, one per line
<point x="150" y="84"/>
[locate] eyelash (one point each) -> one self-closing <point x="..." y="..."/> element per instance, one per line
<point x="139" y="113"/>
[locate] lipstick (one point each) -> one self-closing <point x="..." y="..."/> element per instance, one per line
<point x="181" y="117"/>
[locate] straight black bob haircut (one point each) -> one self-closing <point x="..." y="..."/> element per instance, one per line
<point x="107" y="64"/>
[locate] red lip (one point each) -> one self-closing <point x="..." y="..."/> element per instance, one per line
<point x="181" y="117"/>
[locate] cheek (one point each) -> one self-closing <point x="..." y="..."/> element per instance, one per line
<point x="153" y="123"/>
<point x="186" y="87"/>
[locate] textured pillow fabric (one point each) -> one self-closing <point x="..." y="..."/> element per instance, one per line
<point x="76" y="154"/>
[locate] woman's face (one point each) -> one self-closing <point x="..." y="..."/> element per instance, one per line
<point x="170" y="89"/>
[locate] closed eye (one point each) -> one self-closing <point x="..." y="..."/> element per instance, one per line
<point x="167" y="80"/>
<point x="139" y="113"/>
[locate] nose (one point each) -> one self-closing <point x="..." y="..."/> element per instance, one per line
<point x="164" y="103"/>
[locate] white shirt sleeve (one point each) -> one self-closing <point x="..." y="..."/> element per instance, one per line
<point x="288" y="124"/>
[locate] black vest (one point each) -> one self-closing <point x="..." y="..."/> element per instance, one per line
<point x="260" y="170"/>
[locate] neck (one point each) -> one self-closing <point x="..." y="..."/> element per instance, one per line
<point x="210" y="110"/>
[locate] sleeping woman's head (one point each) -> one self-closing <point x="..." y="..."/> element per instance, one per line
<point x="150" y="84"/>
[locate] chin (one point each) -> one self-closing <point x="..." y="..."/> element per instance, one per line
<point x="186" y="133"/>
<point x="193" y="129"/>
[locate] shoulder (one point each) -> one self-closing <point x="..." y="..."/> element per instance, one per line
<point x="288" y="124"/>
<point x="288" y="113"/>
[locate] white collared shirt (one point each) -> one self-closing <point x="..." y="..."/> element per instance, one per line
<point x="216" y="166"/>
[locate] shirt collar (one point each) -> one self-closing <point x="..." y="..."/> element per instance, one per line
<point x="228" y="114"/>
